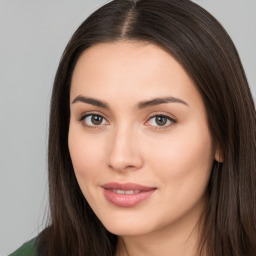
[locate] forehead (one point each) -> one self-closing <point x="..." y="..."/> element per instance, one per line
<point x="131" y="55"/>
<point x="130" y="69"/>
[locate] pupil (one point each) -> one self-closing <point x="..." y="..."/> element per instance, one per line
<point x="96" y="120"/>
<point x="160" y="120"/>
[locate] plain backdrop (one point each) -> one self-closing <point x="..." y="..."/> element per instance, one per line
<point x="33" y="35"/>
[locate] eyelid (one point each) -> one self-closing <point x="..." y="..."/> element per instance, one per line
<point x="86" y="114"/>
<point x="169" y="116"/>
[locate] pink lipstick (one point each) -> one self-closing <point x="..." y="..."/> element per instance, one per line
<point x="126" y="195"/>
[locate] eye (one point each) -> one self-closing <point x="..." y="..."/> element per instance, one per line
<point x="93" y="120"/>
<point x="161" y="121"/>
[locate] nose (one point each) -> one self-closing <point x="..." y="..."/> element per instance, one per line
<point x="124" y="150"/>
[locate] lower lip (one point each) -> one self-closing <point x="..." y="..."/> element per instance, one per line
<point x="124" y="200"/>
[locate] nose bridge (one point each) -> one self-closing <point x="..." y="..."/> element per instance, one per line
<point x="124" y="152"/>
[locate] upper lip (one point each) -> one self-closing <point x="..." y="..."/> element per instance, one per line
<point x="126" y="186"/>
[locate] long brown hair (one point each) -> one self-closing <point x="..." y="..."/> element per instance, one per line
<point x="202" y="46"/>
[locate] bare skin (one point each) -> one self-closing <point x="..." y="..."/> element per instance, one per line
<point x="137" y="117"/>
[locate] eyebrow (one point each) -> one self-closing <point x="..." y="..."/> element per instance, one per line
<point x="92" y="101"/>
<point x="157" y="101"/>
<point x="140" y="105"/>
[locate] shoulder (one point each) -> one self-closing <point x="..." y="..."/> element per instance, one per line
<point x="27" y="249"/>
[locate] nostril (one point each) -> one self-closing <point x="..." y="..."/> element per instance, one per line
<point x="124" y="153"/>
<point x="125" y="164"/>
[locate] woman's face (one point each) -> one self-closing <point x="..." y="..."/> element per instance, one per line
<point x="138" y="138"/>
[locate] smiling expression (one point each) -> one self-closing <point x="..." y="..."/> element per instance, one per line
<point x="138" y="138"/>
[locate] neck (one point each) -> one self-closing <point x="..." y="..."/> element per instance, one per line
<point x="179" y="239"/>
<point x="181" y="245"/>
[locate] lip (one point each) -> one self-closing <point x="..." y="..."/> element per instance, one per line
<point x="126" y="200"/>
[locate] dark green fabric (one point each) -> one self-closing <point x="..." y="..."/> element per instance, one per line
<point x="27" y="249"/>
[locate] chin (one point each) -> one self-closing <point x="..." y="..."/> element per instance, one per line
<point x="127" y="230"/>
<point x="130" y="226"/>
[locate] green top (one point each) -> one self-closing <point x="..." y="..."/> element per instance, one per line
<point x="27" y="249"/>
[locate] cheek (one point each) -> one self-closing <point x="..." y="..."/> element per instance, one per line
<point x="185" y="158"/>
<point x="182" y="165"/>
<point x="86" y="156"/>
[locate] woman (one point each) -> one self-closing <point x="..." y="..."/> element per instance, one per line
<point x="152" y="138"/>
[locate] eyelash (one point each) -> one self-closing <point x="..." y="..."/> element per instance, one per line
<point x="83" y="117"/>
<point x="171" y="120"/>
<point x="163" y="115"/>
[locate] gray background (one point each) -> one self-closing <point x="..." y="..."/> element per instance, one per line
<point x="33" y="35"/>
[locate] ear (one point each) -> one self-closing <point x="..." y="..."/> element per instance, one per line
<point x="219" y="155"/>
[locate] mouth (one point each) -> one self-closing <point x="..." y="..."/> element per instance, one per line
<point x="126" y="195"/>
<point x="126" y="192"/>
